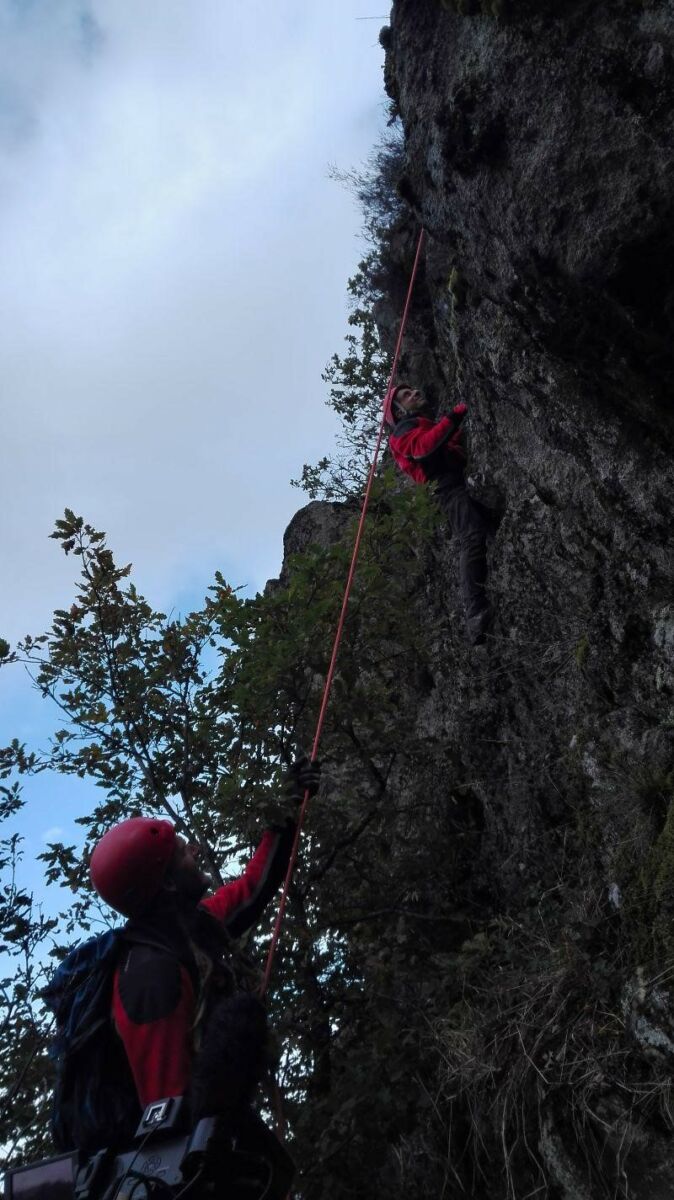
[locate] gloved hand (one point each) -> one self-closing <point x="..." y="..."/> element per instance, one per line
<point x="301" y="776"/>
<point x="455" y="417"/>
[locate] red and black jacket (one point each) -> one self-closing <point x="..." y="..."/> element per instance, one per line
<point x="429" y="450"/>
<point x="156" y="989"/>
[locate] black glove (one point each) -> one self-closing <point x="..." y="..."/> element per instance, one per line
<point x="301" y="776"/>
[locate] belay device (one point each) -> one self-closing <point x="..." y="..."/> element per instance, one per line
<point x="166" y="1162"/>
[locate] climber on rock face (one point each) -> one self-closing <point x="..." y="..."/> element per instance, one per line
<point x="431" y="451"/>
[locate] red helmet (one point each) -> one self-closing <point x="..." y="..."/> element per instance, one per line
<point x="389" y="415"/>
<point x="129" y="863"/>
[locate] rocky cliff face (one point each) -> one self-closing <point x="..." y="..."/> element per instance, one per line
<point x="540" y="153"/>
<point x="540" y="160"/>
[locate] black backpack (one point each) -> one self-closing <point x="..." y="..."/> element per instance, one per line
<point x="95" y="1099"/>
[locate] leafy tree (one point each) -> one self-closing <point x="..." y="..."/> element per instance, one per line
<point x="25" y="935"/>
<point x="377" y="185"/>
<point x="192" y="717"/>
<point x="357" y="381"/>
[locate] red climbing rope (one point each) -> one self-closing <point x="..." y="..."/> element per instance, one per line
<point x="340" y="628"/>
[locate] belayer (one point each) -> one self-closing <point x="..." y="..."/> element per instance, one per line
<point x="177" y="1011"/>
<point x="432" y="451"/>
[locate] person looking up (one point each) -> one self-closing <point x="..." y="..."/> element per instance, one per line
<point x="186" y="1018"/>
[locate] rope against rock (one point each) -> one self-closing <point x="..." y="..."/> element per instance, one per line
<point x="340" y="627"/>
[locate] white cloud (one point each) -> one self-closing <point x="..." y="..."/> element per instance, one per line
<point x="52" y="835"/>
<point x="174" y="269"/>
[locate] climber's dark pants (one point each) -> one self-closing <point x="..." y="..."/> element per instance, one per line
<point x="469" y="525"/>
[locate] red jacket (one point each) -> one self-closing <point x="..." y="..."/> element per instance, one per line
<point x="155" y="989"/>
<point x="426" y="449"/>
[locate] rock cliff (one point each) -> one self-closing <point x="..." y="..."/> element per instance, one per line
<point x="539" y="157"/>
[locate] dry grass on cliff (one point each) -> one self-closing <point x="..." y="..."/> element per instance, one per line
<point x="538" y="1077"/>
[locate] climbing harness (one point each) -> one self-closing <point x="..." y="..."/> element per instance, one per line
<point x="340" y="626"/>
<point x="166" y="1158"/>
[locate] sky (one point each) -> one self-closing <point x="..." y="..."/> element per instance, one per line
<point x="174" y="267"/>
